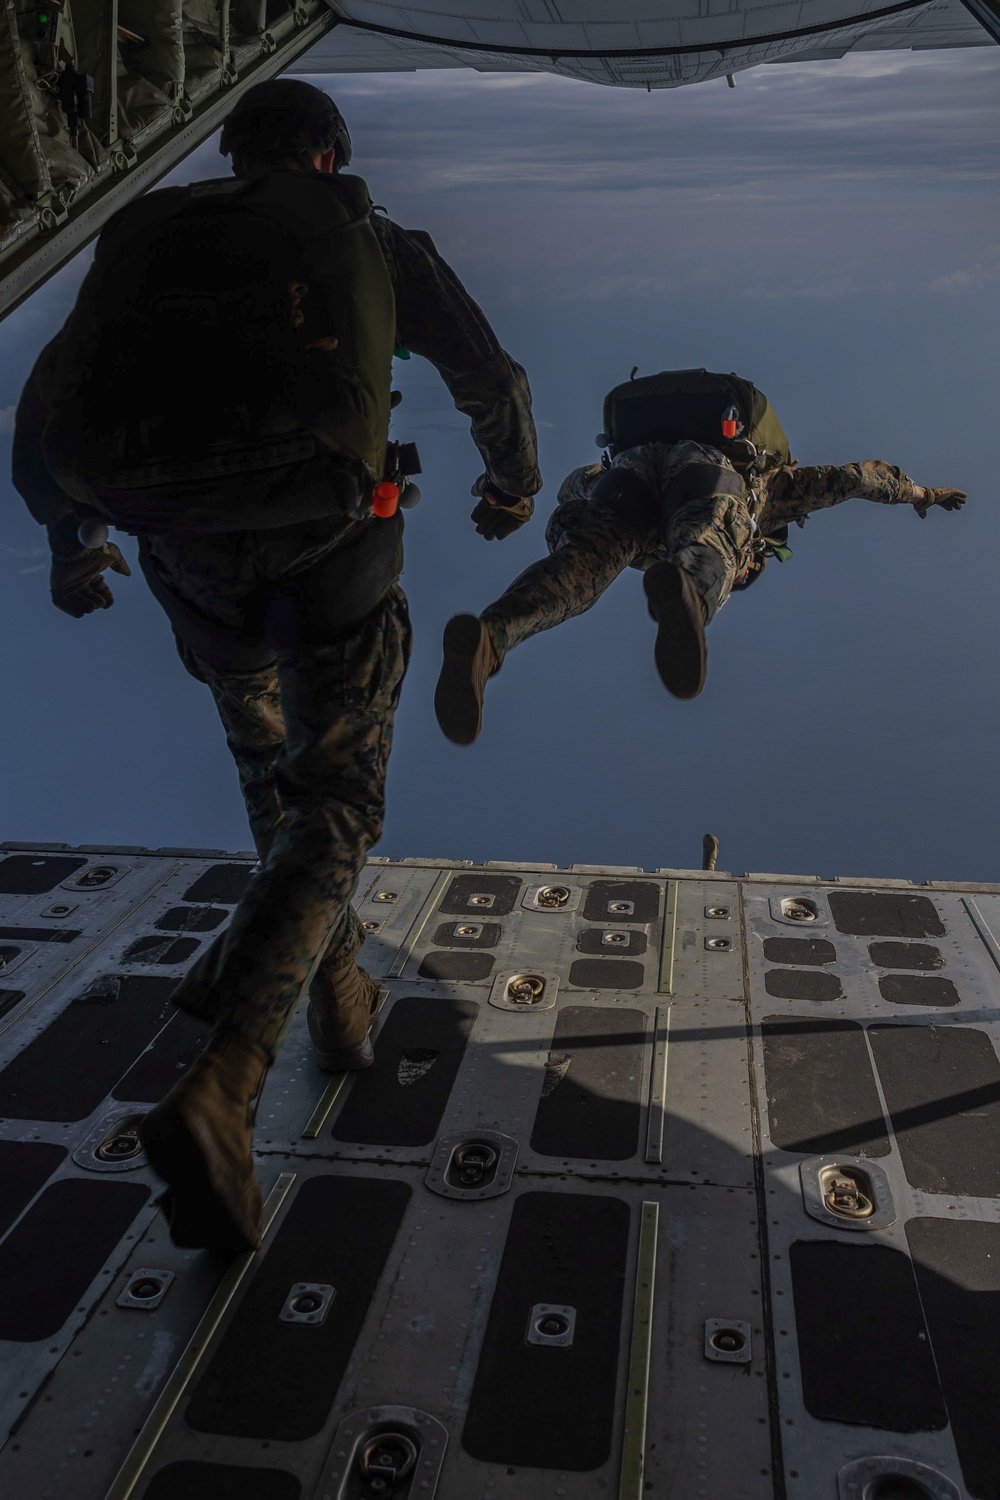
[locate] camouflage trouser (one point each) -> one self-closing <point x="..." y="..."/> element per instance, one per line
<point x="310" y="734"/>
<point x="590" y="543"/>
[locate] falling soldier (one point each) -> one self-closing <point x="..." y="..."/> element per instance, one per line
<point x="255" y="476"/>
<point x="697" y="489"/>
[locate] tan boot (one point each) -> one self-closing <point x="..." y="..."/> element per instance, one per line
<point x="199" y="1138"/>
<point x="679" y="611"/>
<point x="343" y="1003"/>
<point x="469" y="659"/>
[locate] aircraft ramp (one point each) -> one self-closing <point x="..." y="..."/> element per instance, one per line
<point x="671" y="1182"/>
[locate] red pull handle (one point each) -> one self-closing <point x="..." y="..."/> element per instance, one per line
<point x="385" y="499"/>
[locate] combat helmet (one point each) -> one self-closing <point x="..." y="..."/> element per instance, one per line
<point x="285" y="117"/>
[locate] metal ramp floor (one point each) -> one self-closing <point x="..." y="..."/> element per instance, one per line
<point x="665" y="1183"/>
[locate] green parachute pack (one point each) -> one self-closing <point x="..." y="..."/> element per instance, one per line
<point x="689" y="405"/>
<point x="692" y="406"/>
<point x="229" y="333"/>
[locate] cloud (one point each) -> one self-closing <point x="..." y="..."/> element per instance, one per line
<point x="895" y="122"/>
<point x="820" y="292"/>
<point x="971" y="279"/>
<point x="7" y="418"/>
<point x="811" y="181"/>
<point x="24" y="552"/>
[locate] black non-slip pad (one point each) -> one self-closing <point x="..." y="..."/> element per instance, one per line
<point x="24" y="1167"/>
<point x="811" y="951"/>
<point x="606" y="974"/>
<point x="191" y="919"/>
<point x="918" y="989"/>
<point x="447" y="937"/>
<point x="466" y="967"/>
<point x="863" y="1346"/>
<point x="942" y="1088"/>
<point x="34" y="874"/>
<point x="161" y="950"/>
<point x="644" y="895"/>
<point x="891" y="914"/>
<point x="189" y="1480"/>
<point x="277" y="1381"/>
<point x="41" y="934"/>
<point x="905" y="956"/>
<point x="802" y="984"/>
<point x="400" y="1100"/>
<point x="591" y="1094"/>
<point x="503" y="888"/>
<point x="168" y="1057"/>
<point x="77" y="1060"/>
<point x="821" y="1093"/>
<point x="590" y="941"/>
<point x="225" y="883"/>
<point x="958" y="1271"/>
<point x="50" y="1258"/>
<point x="10" y="998"/>
<point x="550" y="1407"/>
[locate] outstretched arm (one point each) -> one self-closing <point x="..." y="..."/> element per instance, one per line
<point x="794" y="493"/>
<point x="436" y="318"/>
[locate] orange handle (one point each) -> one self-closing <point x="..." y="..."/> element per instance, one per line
<point x="385" y="499"/>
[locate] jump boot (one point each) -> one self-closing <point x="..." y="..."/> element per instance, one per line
<point x="343" y="1003"/>
<point x="469" y="659"/>
<point x="198" y="1139"/>
<point x="679" y="611"/>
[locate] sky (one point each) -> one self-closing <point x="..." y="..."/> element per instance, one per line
<point x="828" y="230"/>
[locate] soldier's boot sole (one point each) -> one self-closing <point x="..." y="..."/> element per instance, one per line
<point x="199" y="1140"/>
<point x="469" y="660"/>
<point x="680" y="652"/>
<point x="328" y="1021"/>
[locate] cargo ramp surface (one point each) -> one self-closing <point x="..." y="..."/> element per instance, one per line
<point x="665" y="1182"/>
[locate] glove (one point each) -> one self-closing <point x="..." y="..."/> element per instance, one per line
<point x="498" y="514"/>
<point x="947" y="499"/>
<point x="76" y="583"/>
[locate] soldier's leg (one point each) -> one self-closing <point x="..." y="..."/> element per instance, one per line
<point x="210" y="588"/>
<point x="594" y="548"/>
<point x="710" y="539"/>
<point x="338" y="703"/>
<point x="708" y="544"/>
<point x="596" y="543"/>
<point x="249" y="705"/>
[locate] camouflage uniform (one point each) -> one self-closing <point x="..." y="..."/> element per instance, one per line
<point x="710" y="538"/>
<point x="310" y="735"/>
<point x="307" y="705"/>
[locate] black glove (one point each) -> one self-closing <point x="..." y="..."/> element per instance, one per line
<point x="498" y="514"/>
<point x="947" y="499"/>
<point x="76" y="583"/>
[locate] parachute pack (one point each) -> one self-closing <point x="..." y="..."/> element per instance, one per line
<point x="239" y="338"/>
<point x="692" y="405"/>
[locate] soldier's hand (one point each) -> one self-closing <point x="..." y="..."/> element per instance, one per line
<point x="947" y="499"/>
<point x="498" y="514"/>
<point x="76" y="582"/>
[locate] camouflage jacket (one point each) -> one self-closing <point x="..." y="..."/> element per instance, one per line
<point x="792" y="494"/>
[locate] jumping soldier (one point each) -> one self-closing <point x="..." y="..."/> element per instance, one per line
<point x="222" y="390"/>
<point x="697" y="488"/>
